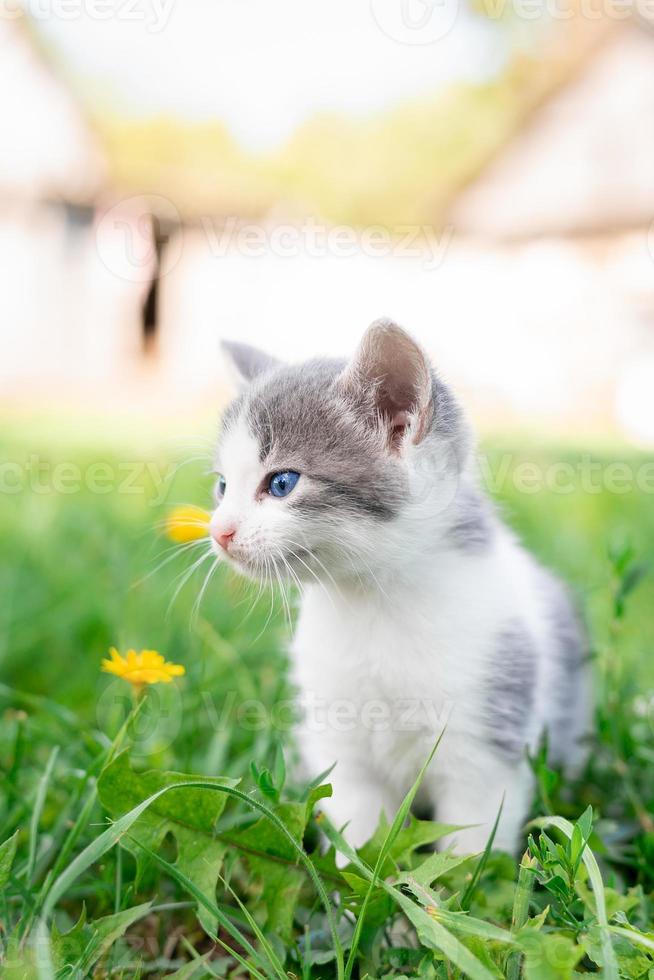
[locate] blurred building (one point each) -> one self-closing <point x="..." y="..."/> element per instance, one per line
<point x="573" y="194"/>
<point x="536" y="295"/>
<point x="64" y="316"/>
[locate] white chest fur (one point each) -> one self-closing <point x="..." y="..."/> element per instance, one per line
<point x="382" y="672"/>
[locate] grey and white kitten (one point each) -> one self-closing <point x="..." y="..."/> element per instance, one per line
<point x="420" y="610"/>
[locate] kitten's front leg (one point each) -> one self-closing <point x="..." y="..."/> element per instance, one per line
<point x="470" y="791"/>
<point x="358" y="794"/>
<point x="358" y="800"/>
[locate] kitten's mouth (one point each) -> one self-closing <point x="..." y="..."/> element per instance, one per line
<point x="292" y="563"/>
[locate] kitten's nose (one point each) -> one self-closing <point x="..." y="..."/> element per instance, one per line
<point x="223" y="538"/>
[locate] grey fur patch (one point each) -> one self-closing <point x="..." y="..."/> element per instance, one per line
<point x="570" y="649"/>
<point x="334" y="493"/>
<point x="447" y="419"/>
<point x="300" y="421"/>
<point x="248" y="361"/>
<point x="510" y="690"/>
<point x="294" y="410"/>
<point x="472" y="525"/>
<point x="232" y="412"/>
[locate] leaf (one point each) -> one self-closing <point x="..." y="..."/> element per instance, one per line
<point x="279" y="768"/>
<point x="435" y="866"/>
<point x="189" y="970"/>
<point x="380" y="904"/>
<point x="549" y="956"/>
<point x="189" y="814"/>
<point x="418" y="833"/>
<point x="610" y="967"/>
<point x="461" y="922"/>
<point x="7" y="855"/>
<point x="273" y="859"/>
<point x="264" y="781"/>
<point x="435" y="936"/>
<point x="87" y="942"/>
<point x="585" y="823"/>
<point x="281" y="887"/>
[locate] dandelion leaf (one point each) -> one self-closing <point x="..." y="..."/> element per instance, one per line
<point x="274" y="862"/>
<point x="188" y="813"/>
<point x="87" y="942"/>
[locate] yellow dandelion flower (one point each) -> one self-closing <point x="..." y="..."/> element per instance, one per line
<point x="187" y="523"/>
<point x="146" y="667"/>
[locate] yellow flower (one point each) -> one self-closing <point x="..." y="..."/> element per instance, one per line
<point x="146" y="667"/>
<point x="187" y="523"/>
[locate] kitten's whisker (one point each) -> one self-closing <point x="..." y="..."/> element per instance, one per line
<point x="170" y="553"/>
<point x="187" y="575"/>
<point x="272" y="600"/>
<point x="285" y="606"/>
<point x="195" y="611"/>
<point x="357" y="553"/>
<point x="289" y="584"/>
<point x="248" y="594"/>
<point x="315" y="557"/>
<point x="319" y="581"/>
<point x="291" y="572"/>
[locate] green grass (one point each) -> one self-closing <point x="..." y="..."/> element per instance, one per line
<point x="175" y="843"/>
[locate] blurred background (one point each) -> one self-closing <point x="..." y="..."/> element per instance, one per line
<point x="176" y="172"/>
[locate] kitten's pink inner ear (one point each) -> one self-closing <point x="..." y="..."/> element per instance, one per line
<point x="390" y="368"/>
<point x="398" y="426"/>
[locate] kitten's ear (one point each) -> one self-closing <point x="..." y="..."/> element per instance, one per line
<point x="247" y="362"/>
<point x="390" y="372"/>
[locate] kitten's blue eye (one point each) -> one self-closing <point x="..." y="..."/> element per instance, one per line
<point x="221" y="486"/>
<point x="281" y="484"/>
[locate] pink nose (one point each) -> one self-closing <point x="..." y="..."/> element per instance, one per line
<point x="223" y="538"/>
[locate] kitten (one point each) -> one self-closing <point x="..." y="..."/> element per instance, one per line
<point x="420" y="611"/>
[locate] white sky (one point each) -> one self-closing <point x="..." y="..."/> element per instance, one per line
<point x="263" y="66"/>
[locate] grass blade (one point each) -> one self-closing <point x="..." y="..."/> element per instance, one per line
<point x="39" y="802"/>
<point x="254" y="926"/>
<point x="43" y="953"/>
<point x="394" y="830"/>
<point x="635" y="937"/>
<point x="481" y="863"/>
<point x="523" y="893"/>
